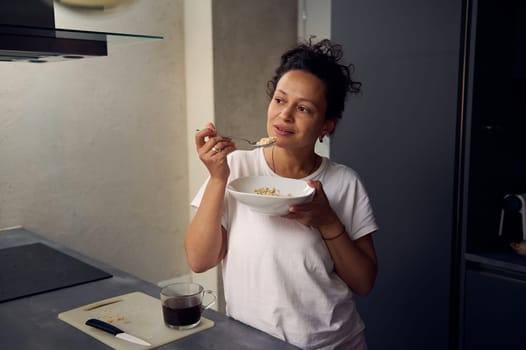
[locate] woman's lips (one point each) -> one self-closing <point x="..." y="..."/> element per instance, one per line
<point x="282" y="131"/>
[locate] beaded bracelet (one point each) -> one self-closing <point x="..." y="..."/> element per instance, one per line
<point x="338" y="235"/>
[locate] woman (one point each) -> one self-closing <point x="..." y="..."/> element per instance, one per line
<point x="292" y="276"/>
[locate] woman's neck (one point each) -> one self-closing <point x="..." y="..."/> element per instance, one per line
<point x="290" y="164"/>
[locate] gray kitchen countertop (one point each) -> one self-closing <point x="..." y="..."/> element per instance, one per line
<point x="32" y="322"/>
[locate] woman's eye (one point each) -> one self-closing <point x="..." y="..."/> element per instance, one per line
<point x="303" y="109"/>
<point x="278" y="100"/>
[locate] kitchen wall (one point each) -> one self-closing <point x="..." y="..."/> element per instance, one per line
<point x="98" y="154"/>
<point x="93" y="152"/>
<point x="245" y="37"/>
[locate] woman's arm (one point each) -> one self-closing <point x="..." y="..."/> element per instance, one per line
<point x="205" y="239"/>
<point x="354" y="261"/>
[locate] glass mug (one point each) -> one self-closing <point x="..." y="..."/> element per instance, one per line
<point x="183" y="304"/>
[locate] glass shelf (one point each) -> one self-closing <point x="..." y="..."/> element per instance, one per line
<point x="44" y="44"/>
<point x="113" y="38"/>
<point x="503" y="260"/>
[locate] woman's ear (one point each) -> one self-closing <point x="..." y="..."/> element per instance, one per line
<point x="328" y="126"/>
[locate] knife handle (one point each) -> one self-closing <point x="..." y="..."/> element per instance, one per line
<point x="93" y="322"/>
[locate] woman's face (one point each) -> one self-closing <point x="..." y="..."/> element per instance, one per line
<point x="296" y="113"/>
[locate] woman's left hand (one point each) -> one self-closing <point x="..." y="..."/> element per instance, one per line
<point x="317" y="213"/>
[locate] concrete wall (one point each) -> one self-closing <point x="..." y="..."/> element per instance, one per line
<point x="249" y="37"/>
<point x="314" y="19"/>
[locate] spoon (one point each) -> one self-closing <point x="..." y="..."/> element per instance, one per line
<point x="262" y="142"/>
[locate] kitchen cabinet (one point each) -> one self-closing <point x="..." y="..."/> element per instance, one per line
<point x="401" y="135"/>
<point x="494" y="310"/>
<point x="496" y="146"/>
<point x="437" y="135"/>
<point x="491" y="293"/>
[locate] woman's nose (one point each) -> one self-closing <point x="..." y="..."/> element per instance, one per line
<point x="287" y="114"/>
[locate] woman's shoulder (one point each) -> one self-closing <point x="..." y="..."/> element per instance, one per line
<point x="243" y="154"/>
<point x="245" y="163"/>
<point x="342" y="174"/>
<point x="340" y="169"/>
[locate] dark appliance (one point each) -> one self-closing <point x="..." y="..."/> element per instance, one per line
<point x="512" y="227"/>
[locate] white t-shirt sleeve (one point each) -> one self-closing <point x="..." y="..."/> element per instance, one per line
<point x="196" y="202"/>
<point x="363" y="221"/>
<point x="199" y="195"/>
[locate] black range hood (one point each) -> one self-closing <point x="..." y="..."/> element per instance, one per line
<point x="28" y="33"/>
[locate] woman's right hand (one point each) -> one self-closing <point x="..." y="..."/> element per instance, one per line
<point x="213" y="149"/>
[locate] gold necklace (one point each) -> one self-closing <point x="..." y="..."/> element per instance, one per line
<point x="274" y="165"/>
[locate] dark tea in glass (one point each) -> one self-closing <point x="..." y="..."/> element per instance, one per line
<point x="182" y="304"/>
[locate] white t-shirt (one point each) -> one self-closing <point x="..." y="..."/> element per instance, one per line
<point x="278" y="274"/>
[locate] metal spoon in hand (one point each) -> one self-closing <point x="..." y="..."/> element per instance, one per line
<point x="263" y="142"/>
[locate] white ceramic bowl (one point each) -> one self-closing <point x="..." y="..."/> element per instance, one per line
<point x="291" y="191"/>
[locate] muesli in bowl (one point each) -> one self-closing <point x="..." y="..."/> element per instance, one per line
<point x="270" y="195"/>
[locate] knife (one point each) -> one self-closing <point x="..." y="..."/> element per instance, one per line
<point x="117" y="332"/>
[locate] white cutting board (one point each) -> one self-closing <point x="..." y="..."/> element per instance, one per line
<point x="135" y="313"/>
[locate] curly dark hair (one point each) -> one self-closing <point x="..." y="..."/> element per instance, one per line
<point x="322" y="60"/>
